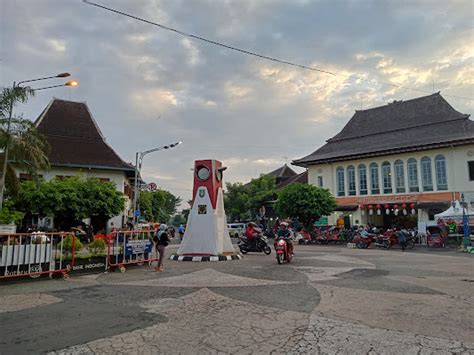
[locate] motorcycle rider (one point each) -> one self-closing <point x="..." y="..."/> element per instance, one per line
<point x="285" y="232"/>
<point x="252" y="233"/>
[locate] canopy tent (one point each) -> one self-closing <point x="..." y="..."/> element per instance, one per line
<point x="454" y="214"/>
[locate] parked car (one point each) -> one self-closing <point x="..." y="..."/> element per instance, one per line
<point x="236" y="230"/>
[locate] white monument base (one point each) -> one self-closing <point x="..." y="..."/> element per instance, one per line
<point x="206" y="233"/>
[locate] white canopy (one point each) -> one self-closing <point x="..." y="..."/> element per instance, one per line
<point x="454" y="211"/>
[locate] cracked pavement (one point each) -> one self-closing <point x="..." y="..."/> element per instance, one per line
<point x="330" y="300"/>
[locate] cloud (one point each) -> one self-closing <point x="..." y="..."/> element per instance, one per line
<point x="252" y="114"/>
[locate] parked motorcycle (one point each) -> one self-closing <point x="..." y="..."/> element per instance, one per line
<point x="281" y="249"/>
<point x="364" y="241"/>
<point x="257" y="246"/>
<point x="390" y="239"/>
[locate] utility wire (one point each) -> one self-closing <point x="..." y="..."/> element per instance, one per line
<point x="261" y="56"/>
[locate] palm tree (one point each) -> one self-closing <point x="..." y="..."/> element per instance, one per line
<point x="27" y="148"/>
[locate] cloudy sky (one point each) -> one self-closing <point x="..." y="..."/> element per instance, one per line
<point x="147" y="87"/>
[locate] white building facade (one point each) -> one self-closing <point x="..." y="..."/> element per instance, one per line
<point x="397" y="164"/>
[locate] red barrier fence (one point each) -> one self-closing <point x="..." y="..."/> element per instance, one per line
<point x="36" y="254"/>
<point x="130" y="248"/>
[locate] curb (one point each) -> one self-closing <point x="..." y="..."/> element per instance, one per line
<point x="205" y="258"/>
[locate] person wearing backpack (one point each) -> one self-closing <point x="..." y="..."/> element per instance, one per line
<point x="161" y="242"/>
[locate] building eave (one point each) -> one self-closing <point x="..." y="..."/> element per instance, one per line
<point x="385" y="152"/>
<point x="95" y="167"/>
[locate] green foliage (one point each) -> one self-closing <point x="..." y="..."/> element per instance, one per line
<point x="66" y="245"/>
<point x="27" y="148"/>
<point x="158" y="206"/>
<point x="307" y="202"/>
<point x="178" y="219"/>
<point x="242" y="202"/>
<point x="97" y="247"/>
<point x="72" y="198"/>
<point x="9" y="97"/>
<point x="8" y="215"/>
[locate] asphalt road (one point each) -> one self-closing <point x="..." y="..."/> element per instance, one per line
<point x="329" y="300"/>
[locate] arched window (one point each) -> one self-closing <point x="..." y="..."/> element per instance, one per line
<point x="351" y="180"/>
<point x="412" y="167"/>
<point x="441" y="177"/>
<point x="362" y="179"/>
<point x="426" y="176"/>
<point x="374" y="179"/>
<point x="387" y="177"/>
<point x="399" y="176"/>
<point x="340" y="181"/>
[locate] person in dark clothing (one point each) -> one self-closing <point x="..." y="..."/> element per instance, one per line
<point x="161" y="242"/>
<point x="402" y="239"/>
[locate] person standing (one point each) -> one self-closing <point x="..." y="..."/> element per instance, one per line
<point x="161" y="242"/>
<point x="181" y="231"/>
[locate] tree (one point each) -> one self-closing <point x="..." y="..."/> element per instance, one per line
<point x="178" y="219"/>
<point x="158" y="206"/>
<point x="242" y="202"/>
<point x="260" y="192"/>
<point x="70" y="199"/>
<point x="27" y="148"/>
<point x="236" y="201"/>
<point x="306" y="202"/>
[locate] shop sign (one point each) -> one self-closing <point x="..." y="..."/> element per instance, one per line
<point x="388" y="199"/>
<point x="323" y="221"/>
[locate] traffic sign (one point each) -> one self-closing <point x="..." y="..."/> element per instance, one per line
<point x="152" y="186"/>
<point x="137" y="213"/>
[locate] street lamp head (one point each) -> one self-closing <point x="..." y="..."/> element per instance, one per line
<point x="63" y="75"/>
<point x="174" y="145"/>
<point x="72" y="83"/>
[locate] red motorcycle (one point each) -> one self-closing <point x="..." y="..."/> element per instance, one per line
<point x="281" y="249"/>
<point x="363" y="242"/>
<point x="390" y="238"/>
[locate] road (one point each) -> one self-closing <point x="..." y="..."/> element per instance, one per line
<point x="330" y="300"/>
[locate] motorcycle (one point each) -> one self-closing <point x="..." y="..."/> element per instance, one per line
<point x="363" y="242"/>
<point x="258" y="246"/>
<point x="281" y="249"/>
<point x="390" y="238"/>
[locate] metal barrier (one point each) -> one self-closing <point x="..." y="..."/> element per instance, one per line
<point x="129" y="248"/>
<point x="36" y="254"/>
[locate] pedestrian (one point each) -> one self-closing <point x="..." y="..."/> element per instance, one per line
<point x="161" y="240"/>
<point x="402" y="239"/>
<point x="181" y="231"/>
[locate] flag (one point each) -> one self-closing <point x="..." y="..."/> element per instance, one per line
<point x="465" y="222"/>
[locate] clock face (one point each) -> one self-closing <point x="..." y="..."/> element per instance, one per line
<point x="219" y="175"/>
<point x="203" y="173"/>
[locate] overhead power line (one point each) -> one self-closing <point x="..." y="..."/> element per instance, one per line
<point x="262" y="56"/>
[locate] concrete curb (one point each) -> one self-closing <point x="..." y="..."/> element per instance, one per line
<point x="205" y="258"/>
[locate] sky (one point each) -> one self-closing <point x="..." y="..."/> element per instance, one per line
<point x="148" y="87"/>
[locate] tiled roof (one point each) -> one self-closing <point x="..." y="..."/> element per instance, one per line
<point x="283" y="172"/>
<point x="75" y="139"/>
<point x="301" y="178"/>
<point x="418" y="124"/>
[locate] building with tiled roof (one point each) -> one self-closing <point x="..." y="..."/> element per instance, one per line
<point x="415" y="155"/>
<point x="78" y="147"/>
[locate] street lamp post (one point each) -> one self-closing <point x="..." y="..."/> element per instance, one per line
<point x="10" y="116"/>
<point x="138" y="167"/>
